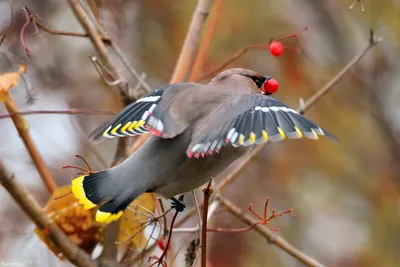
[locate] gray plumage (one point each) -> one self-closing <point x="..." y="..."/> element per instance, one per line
<point x="198" y="131"/>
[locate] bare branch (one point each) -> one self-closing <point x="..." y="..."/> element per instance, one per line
<point x="206" y="41"/>
<point x="207" y="193"/>
<point x="235" y="57"/>
<point x="63" y="112"/>
<point x="192" y="40"/>
<point x="10" y="12"/>
<point x="269" y="234"/>
<point x="23" y="130"/>
<point x="29" y="205"/>
<point x="373" y="40"/>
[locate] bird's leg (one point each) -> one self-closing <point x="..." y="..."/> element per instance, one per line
<point x="178" y="204"/>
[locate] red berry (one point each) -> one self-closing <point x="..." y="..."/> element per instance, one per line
<point x="276" y="48"/>
<point x="270" y="86"/>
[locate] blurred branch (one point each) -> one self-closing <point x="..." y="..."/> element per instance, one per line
<point x="10" y="12"/>
<point x="23" y="130"/>
<point x="233" y="59"/>
<point x="99" y="46"/>
<point x="29" y="205"/>
<point x="192" y="40"/>
<point x="207" y="193"/>
<point x="65" y="33"/>
<point x="206" y="41"/>
<point x="361" y="4"/>
<point x="372" y="41"/>
<point x="30" y="94"/>
<point x="65" y="112"/>
<point x="271" y="236"/>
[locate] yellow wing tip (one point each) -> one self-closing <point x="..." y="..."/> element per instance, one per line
<point x="281" y="132"/>
<point x="79" y="192"/>
<point x="107" y="217"/>
<point x="301" y="135"/>
<point x="315" y="134"/>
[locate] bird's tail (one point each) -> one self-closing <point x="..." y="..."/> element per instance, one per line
<point x="98" y="188"/>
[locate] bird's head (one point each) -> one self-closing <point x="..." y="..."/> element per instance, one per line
<point x="250" y="79"/>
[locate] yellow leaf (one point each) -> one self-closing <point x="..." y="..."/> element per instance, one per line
<point x="9" y="80"/>
<point x="136" y="232"/>
<point x="76" y="222"/>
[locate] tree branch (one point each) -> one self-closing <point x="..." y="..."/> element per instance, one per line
<point x="71" y="111"/>
<point x="206" y="41"/>
<point x="192" y="40"/>
<point x="23" y="130"/>
<point x="29" y="205"/>
<point x="10" y="12"/>
<point x="207" y="193"/>
<point x="271" y="236"/>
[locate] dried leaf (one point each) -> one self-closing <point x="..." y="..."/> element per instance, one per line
<point x="137" y="232"/>
<point x="9" y="80"/>
<point x="76" y="222"/>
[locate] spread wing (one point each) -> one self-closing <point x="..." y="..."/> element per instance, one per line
<point x="255" y="119"/>
<point x="155" y="113"/>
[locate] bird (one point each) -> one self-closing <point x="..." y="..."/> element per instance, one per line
<point x="197" y="130"/>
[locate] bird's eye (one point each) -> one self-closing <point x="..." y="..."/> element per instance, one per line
<point x="259" y="82"/>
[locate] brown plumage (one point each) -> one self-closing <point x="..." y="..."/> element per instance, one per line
<point x="198" y="130"/>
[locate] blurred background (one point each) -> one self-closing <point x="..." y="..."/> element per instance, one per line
<point x="345" y="196"/>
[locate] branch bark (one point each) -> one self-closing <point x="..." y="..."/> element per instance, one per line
<point x="23" y="130"/>
<point x="270" y="235"/>
<point x="192" y="40"/>
<point x="206" y="41"/>
<point x="29" y="205"/>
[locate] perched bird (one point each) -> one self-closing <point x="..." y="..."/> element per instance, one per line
<point x="197" y="131"/>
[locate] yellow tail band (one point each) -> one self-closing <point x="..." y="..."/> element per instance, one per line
<point x="79" y="193"/>
<point x="107" y="217"/>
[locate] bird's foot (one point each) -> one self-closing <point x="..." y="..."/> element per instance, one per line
<point x="178" y="204"/>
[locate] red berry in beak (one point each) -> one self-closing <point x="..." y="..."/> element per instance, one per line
<point x="270" y="86"/>
<point x="276" y="48"/>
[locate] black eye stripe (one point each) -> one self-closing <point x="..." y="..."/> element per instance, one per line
<point x="258" y="81"/>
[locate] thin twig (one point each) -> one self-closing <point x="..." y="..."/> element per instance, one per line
<point x="206" y="42"/>
<point x="29" y="205"/>
<point x="192" y="40"/>
<point x="207" y="193"/>
<point x="10" y="12"/>
<point x="98" y="44"/>
<point x="67" y="33"/>
<point x="235" y="57"/>
<point x="196" y="203"/>
<point x="373" y="40"/>
<point x="72" y="111"/>
<point x="23" y="130"/>
<point x="169" y="238"/>
<point x="271" y="236"/>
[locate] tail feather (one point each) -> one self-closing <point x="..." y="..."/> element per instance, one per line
<point x="98" y="189"/>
